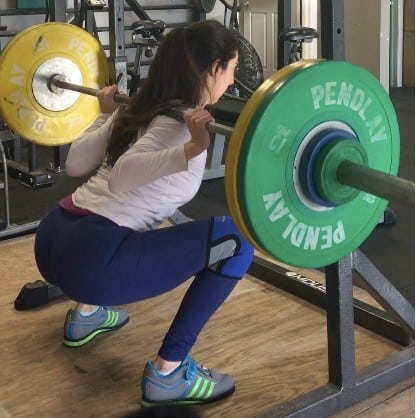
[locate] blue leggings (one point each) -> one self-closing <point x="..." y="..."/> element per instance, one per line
<point x="95" y="261"/>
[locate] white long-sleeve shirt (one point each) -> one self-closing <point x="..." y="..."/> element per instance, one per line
<point x="147" y="183"/>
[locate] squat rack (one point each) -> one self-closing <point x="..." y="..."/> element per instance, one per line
<point x="345" y="385"/>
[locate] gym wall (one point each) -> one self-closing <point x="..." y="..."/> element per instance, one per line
<point x="369" y="43"/>
<point x="409" y="44"/>
<point x="366" y="26"/>
<point x="366" y="30"/>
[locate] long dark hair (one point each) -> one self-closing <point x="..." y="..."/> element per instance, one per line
<point x="176" y="73"/>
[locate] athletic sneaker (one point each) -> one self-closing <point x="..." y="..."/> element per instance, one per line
<point x="189" y="383"/>
<point x="79" y="329"/>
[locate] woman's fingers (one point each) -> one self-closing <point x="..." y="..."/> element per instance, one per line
<point x="106" y="98"/>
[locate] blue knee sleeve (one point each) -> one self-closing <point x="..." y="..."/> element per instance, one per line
<point x="236" y="261"/>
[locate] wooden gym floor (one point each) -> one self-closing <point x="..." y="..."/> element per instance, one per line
<point x="273" y="344"/>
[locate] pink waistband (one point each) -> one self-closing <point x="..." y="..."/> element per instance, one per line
<point x="67" y="204"/>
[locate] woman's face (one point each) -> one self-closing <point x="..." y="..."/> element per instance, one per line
<point x="220" y="79"/>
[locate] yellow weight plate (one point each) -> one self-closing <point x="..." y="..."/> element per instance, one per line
<point x="235" y="142"/>
<point x="27" y="105"/>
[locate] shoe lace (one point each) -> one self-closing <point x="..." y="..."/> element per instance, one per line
<point x="193" y="368"/>
<point x="204" y="371"/>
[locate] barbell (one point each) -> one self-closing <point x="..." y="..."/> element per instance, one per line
<point x="310" y="163"/>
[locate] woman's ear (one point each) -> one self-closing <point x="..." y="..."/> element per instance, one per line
<point x="214" y="67"/>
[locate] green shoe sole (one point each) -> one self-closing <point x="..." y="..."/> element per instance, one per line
<point x="192" y="401"/>
<point x="92" y="335"/>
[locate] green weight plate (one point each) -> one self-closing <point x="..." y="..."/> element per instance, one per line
<point x="292" y="106"/>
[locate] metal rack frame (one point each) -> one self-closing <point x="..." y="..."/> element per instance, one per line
<point x="332" y="30"/>
<point x="347" y="386"/>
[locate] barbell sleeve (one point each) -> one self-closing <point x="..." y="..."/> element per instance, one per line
<point x="376" y="182"/>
